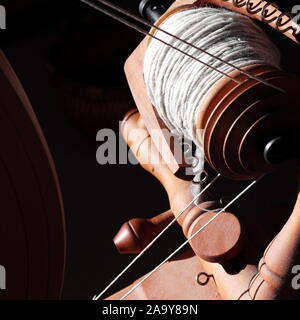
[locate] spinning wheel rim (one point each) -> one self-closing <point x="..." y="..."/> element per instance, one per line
<point x="29" y="175"/>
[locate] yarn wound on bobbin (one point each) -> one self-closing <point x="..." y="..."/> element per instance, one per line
<point x="177" y="84"/>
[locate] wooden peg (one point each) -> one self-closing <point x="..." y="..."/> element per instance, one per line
<point x="136" y="234"/>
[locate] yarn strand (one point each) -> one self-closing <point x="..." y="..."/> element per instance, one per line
<point x="176" y="84"/>
<point x="146" y="23"/>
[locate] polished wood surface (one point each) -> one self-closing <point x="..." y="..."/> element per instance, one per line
<point x="178" y="279"/>
<point x="233" y="277"/>
<point x="137" y="233"/>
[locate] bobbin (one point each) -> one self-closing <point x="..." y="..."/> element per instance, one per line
<point x="225" y="104"/>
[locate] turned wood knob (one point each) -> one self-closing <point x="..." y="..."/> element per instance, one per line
<point x="219" y="241"/>
<point x="274" y="279"/>
<point x="136" y="234"/>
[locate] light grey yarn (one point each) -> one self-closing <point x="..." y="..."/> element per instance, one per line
<point x="176" y="84"/>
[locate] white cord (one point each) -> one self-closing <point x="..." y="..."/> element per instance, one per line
<point x="97" y="297"/>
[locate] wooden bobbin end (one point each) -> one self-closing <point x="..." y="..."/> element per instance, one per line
<point x="240" y="120"/>
<point x="219" y="241"/>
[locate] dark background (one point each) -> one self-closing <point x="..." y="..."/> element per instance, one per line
<point x="50" y="44"/>
<point x="97" y="199"/>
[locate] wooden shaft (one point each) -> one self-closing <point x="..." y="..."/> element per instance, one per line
<point x="138" y="139"/>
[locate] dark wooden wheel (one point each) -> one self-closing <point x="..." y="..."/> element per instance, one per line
<point x="32" y="228"/>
